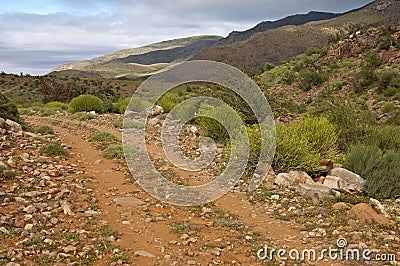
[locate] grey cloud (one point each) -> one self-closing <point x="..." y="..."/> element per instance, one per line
<point x="32" y="41"/>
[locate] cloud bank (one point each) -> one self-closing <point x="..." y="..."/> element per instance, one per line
<point x="39" y="35"/>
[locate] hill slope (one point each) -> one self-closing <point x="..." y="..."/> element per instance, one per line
<point x="294" y="20"/>
<point x="136" y="62"/>
<point x="281" y="44"/>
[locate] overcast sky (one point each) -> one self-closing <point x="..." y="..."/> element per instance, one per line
<point x="38" y="35"/>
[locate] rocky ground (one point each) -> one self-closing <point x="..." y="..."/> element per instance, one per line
<point x="86" y="209"/>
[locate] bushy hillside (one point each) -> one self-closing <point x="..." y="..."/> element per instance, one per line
<point x="41" y="89"/>
<point x="283" y="43"/>
<point x="294" y="20"/>
<point x="354" y="82"/>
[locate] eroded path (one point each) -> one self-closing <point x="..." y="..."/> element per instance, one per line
<point x="227" y="232"/>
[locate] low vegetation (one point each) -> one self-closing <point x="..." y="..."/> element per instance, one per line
<point x="45" y="130"/>
<point x="86" y="103"/>
<point x="381" y="170"/>
<point x="54" y="149"/>
<point x="102" y="136"/>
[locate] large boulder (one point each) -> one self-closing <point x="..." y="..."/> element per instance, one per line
<point x="316" y="192"/>
<point x="300" y="177"/>
<point x="13" y="126"/>
<point x="283" y="180"/>
<point x="348" y="181"/>
<point x="293" y="178"/>
<point x="366" y="214"/>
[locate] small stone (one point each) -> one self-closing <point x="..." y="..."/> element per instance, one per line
<point x="4" y="230"/>
<point x="69" y="249"/>
<point x="67" y="209"/>
<point x="30" y="209"/>
<point x="275" y="197"/>
<point x="54" y="220"/>
<point x="191" y="262"/>
<point x="194" y="130"/>
<point x="143" y="253"/>
<point x="128" y="201"/>
<point x="28" y="227"/>
<point x="126" y="222"/>
<point x="335" y="232"/>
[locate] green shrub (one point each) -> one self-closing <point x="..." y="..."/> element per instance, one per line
<point x="384" y="42"/>
<point x="353" y="122"/>
<point x="309" y="77"/>
<point x="320" y="134"/>
<point x="54" y="149"/>
<point x="86" y="103"/>
<point x="59" y="105"/>
<point x="301" y="145"/>
<point x="82" y="116"/>
<point x="45" y="130"/>
<point x="121" y="105"/>
<point x="116" y="151"/>
<point x="386" y="138"/>
<point x="268" y="66"/>
<point x="8" y="110"/>
<point x="44" y="112"/>
<point x="391" y="91"/>
<point x="109" y="107"/>
<point x="293" y="151"/>
<point x="381" y="170"/>
<point x="388" y="107"/>
<point x="169" y="100"/>
<point x="102" y="136"/>
<point x="118" y="123"/>
<point x="138" y="104"/>
<point x="211" y="127"/>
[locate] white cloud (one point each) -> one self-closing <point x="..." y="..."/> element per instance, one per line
<point x="33" y="41"/>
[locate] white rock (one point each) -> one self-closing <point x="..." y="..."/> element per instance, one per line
<point x="332" y="181"/>
<point x="275" y="197"/>
<point x="378" y="207"/>
<point x="156" y="110"/>
<point x="14" y="126"/>
<point x="128" y="201"/>
<point x="28" y="227"/>
<point x="349" y="179"/>
<point x="284" y="179"/>
<point x="143" y="253"/>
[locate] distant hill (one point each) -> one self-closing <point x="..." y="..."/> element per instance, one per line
<point x="270" y="41"/>
<point x="283" y="43"/>
<point x="294" y="20"/>
<point x="137" y="62"/>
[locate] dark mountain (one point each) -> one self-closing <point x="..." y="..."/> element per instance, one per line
<point x="294" y="20"/>
<point x="170" y="55"/>
<point x="283" y="43"/>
